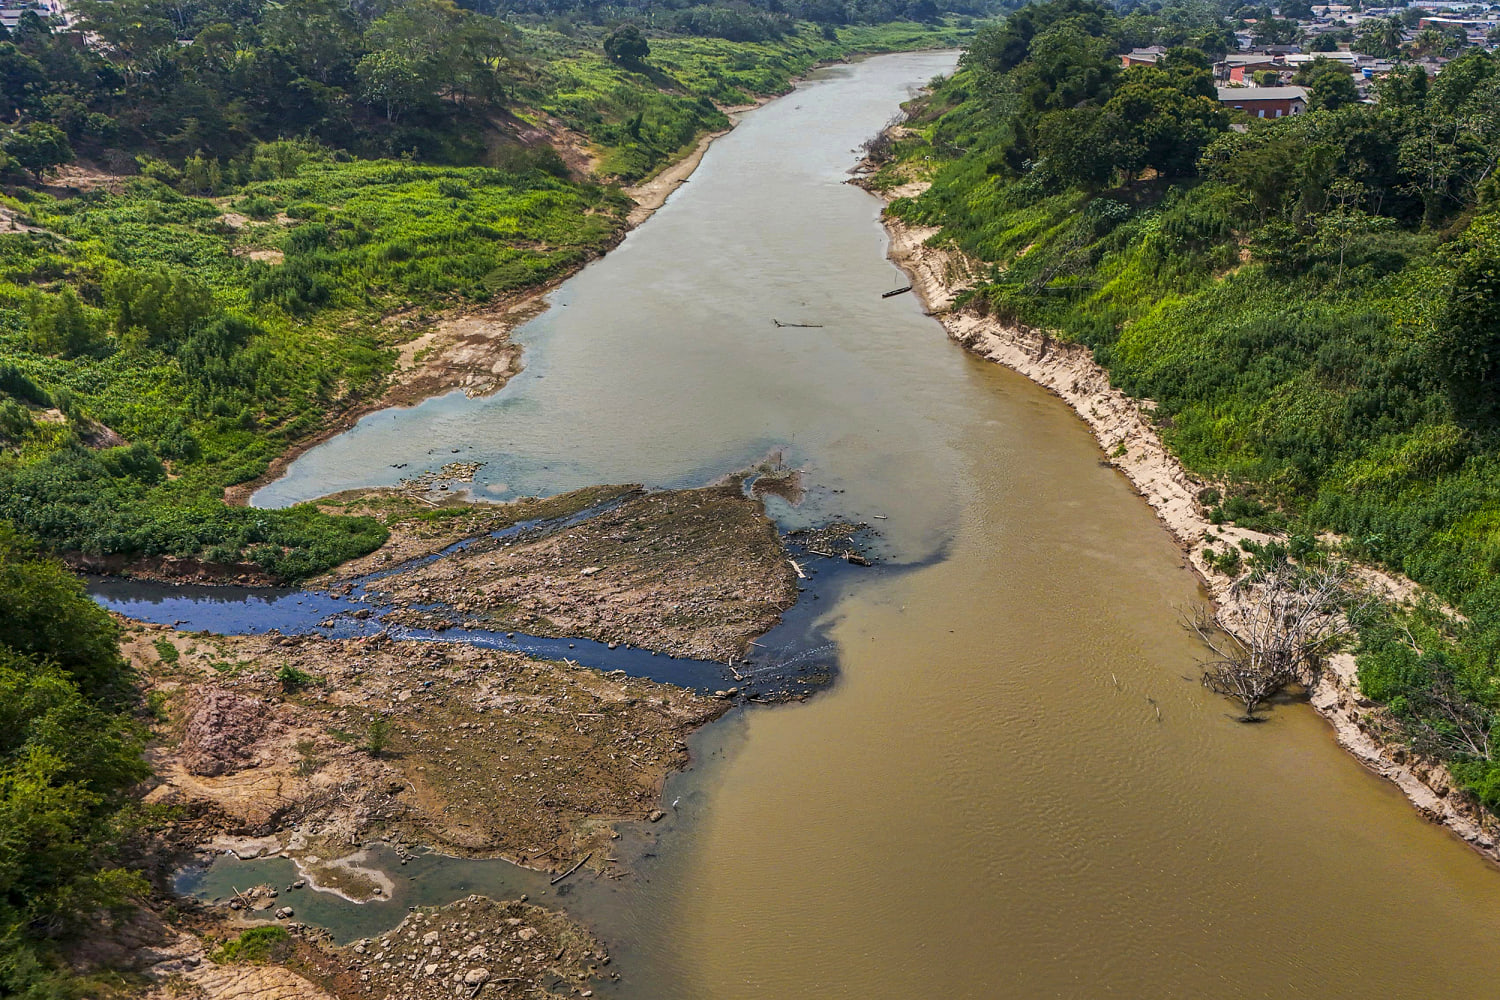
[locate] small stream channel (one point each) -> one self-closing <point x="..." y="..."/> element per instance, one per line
<point x="1015" y="788"/>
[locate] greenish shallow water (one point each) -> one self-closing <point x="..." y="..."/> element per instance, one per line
<point x="985" y="804"/>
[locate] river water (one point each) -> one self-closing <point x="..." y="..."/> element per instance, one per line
<point x="1016" y="787"/>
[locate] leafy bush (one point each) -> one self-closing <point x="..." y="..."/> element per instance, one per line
<point x="256" y="946"/>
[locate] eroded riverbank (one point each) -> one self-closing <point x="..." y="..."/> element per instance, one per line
<point x="1126" y="433"/>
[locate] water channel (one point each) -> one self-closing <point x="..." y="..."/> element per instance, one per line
<point x="986" y="803"/>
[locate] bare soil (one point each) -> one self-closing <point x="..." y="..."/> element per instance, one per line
<point x="488" y="753"/>
<point x="474" y="947"/>
<point x="691" y="573"/>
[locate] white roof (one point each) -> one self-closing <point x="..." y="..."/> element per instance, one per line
<point x="1262" y="93"/>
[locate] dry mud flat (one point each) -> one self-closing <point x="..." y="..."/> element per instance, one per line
<point x="473" y="947"/>
<point x="695" y="573"/>
<point x="486" y="753"/>
<point x="318" y="748"/>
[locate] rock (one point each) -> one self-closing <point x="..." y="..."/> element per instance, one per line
<point x="429" y="939"/>
<point x="476" y="976"/>
<point x="526" y="933"/>
<point x="283" y="912"/>
<point x="656" y="816"/>
<point x="220" y="733"/>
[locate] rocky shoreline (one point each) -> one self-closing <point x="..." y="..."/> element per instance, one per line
<point x="1125" y="431"/>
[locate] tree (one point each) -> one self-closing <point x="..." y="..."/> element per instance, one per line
<point x="1275" y="631"/>
<point x="69" y="753"/>
<point x="48" y="615"/>
<point x="1274" y="31"/>
<point x="61" y="325"/>
<point x="1381" y="38"/>
<point x="627" y="46"/>
<point x="157" y="308"/>
<point x="1329" y="84"/>
<point x="20" y="78"/>
<point x="378" y="735"/>
<point x="1469" y="327"/>
<point x="1076" y="148"/>
<point x="390" y="80"/>
<point x="1163" y="116"/>
<point x="37" y="147"/>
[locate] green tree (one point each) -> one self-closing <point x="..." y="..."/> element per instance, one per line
<point x="61" y="324"/>
<point x="37" y="147"/>
<point x="1329" y="84"/>
<point x="378" y="735"/>
<point x="1162" y="117"/>
<point x="390" y="80"/>
<point x="1470" y="326"/>
<point x="627" y="46"/>
<point x="21" y="79"/>
<point x="156" y="308"/>
<point x="48" y="615"/>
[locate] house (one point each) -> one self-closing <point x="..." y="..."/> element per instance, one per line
<point x="1349" y="60"/>
<point x="1142" y="57"/>
<point x="1238" y="67"/>
<point x="1265" y="102"/>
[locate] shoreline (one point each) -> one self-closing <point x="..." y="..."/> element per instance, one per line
<point x="465" y="339"/>
<point x="470" y="349"/>
<point x="1125" y="432"/>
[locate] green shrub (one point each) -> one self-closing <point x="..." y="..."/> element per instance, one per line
<point x="256" y="946"/>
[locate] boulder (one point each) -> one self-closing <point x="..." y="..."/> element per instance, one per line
<point x="221" y="731"/>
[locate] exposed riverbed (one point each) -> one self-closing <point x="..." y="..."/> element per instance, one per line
<point x="1016" y="788"/>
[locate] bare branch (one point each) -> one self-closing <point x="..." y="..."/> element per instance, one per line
<point x="1282" y="623"/>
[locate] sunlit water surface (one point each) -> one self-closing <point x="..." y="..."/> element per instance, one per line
<point x="987" y="803"/>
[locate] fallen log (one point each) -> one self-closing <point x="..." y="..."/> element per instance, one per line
<point x="582" y="861"/>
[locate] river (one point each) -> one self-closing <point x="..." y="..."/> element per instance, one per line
<point x="1016" y="787"/>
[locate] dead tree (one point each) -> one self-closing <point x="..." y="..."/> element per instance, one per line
<point x="1273" y="631"/>
<point x="881" y="146"/>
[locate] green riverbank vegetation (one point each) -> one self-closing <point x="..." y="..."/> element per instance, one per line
<point x="70" y="753"/>
<point x="217" y="225"/>
<point x="1313" y="303"/>
<point x="275" y="196"/>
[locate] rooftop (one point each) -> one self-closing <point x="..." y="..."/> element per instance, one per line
<point x="1262" y="93"/>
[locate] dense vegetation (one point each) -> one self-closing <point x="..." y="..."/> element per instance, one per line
<point x="1312" y="302"/>
<point x="70" y="750"/>
<point x="380" y="79"/>
<point x="167" y="335"/>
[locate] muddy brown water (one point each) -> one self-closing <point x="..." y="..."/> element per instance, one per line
<point x="986" y="803"/>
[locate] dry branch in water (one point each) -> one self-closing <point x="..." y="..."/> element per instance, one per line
<point x="1274" y="631"/>
<point x="881" y="146"/>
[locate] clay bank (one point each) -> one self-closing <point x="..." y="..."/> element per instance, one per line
<point x="1016" y="786"/>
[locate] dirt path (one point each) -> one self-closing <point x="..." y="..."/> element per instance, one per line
<point x="1124" y="428"/>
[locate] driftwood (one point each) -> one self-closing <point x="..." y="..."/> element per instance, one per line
<point x="1274" y="631"/>
<point x="581" y="862"/>
<point x="803" y="326"/>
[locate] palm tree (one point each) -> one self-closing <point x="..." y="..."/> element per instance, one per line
<point x="1390" y="34"/>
